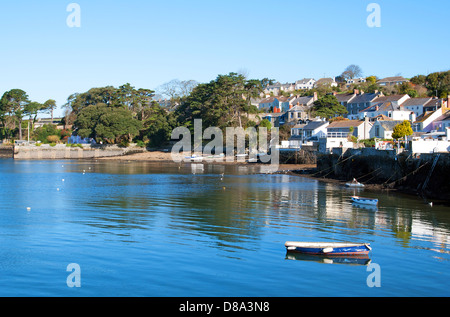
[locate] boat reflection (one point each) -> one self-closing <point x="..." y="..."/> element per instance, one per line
<point x="350" y="260"/>
<point x="365" y="206"/>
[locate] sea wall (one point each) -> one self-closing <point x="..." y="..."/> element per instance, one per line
<point x="61" y="151"/>
<point x="6" y="151"/>
<point x="426" y="174"/>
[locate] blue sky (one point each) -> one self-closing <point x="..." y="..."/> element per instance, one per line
<point x="148" y="43"/>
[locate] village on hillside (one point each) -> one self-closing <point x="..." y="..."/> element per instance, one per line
<point x="370" y="116"/>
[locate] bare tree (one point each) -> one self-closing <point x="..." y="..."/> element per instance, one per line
<point x="352" y="71"/>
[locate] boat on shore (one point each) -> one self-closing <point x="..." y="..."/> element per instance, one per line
<point x="354" y="184"/>
<point x="328" y="248"/>
<point x="365" y="201"/>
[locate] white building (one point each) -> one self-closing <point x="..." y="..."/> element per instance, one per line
<point x="305" y="83"/>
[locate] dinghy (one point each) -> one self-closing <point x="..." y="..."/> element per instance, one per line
<point x="354" y="184"/>
<point x="365" y="201"/>
<point x="328" y="248"/>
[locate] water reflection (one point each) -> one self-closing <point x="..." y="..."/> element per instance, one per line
<point x="232" y="207"/>
<point x="350" y="260"/>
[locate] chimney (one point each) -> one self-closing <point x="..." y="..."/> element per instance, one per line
<point x="315" y="96"/>
<point x="290" y="106"/>
<point x="334" y="93"/>
<point x="356" y="91"/>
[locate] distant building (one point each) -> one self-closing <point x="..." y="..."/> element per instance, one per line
<point x="383" y="129"/>
<point x="305" y="83"/>
<point x="331" y="82"/>
<point x="392" y="81"/>
<point x="416" y="105"/>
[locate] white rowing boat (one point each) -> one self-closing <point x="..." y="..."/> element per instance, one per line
<point x="354" y="183"/>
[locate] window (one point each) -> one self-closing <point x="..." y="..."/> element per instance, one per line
<point x="377" y="131"/>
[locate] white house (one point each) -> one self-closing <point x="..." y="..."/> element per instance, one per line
<point x="312" y="131"/>
<point x="387" y="109"/>
<point x="305" y="83"/>
<point x="383" y="129"/>
<point x="342" y="129"/>
<point x="416" y="105"/>
<point x="424" y="122"/>
<point x="392" y="81"/>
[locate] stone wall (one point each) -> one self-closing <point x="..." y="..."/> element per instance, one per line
<point x="6" y="151"/>
<point x="385" y="168"/>
<point x="61" y="151"/>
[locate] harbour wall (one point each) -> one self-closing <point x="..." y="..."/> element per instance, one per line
<point x="6" y="151"/>
<point x="427" y="175"/>
<point x="61" y="151"/>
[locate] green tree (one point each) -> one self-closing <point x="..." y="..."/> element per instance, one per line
<point x="14" y="102"/>
<point x="328" y="107"/>
<point x="108" y="123"/>
<point x="402" y="129"/>
<point x="49" y="105"/>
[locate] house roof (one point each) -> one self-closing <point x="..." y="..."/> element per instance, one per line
<point x="303" y="100"/>
<point x="444" y="117"/>
<point x="416" y="102"/>
<point x="345" y="124"/>
<point x="392" y="79"/>
<point x="314" y="125"/>
<point x="433" y="103"/>
<point x="389" y="98"/>
<point x="344" y="97"/>
<point x="363" y="98"/>
<point x="388" y="124"/>
<point x="299" y="126"/>
<point x="304" y="80"/>
<point x="322" y="81"/>
<point x="423" y="116"/>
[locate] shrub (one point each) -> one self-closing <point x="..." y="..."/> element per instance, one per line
<point x="53" y="138"/>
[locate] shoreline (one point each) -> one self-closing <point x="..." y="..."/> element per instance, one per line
<point x="302" y="170"/>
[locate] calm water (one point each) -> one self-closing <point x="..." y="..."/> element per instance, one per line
<point x="147" y="229"/>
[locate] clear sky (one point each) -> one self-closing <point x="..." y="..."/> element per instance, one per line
<point x="148" y="43"/>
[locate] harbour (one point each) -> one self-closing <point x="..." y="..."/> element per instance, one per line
<point x="190" y="229"/>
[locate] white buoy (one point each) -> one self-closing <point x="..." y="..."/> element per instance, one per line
<point x="63" y="179"/>
<point x="28" y="208"/>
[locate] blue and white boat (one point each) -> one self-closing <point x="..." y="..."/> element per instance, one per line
<point x="328" y="248"/>
<point x="365" y="201"/>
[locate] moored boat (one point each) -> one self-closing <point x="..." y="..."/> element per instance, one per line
<point x="328" y="248"/>
<point x="354" y="184"/>
<point x="365" y="201"/>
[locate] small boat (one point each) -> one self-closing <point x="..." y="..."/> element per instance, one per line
<point x="354" y="183"/>
<point x="194" y="158"/>
<point x="328" y="248"/>
<point x="365" y="201"/>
